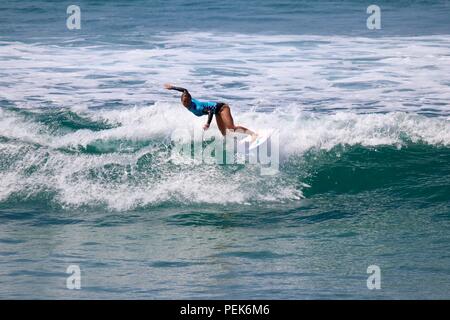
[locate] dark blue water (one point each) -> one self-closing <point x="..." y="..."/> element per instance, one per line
<point x="132" y="22"/>
<point x="90" y="176"/>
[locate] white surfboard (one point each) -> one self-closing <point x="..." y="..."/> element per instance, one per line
<point x="262" y="137"/>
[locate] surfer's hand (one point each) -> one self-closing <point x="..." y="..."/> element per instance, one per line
<point x="205" y="126"/>
<point x="168" y="86"/>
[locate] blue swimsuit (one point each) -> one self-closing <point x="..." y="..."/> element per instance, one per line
<point x="200" y="108"/>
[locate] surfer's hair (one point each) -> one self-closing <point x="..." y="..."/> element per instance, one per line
<point x="186" y="98"/>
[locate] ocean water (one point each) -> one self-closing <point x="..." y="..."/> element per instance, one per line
<point x="89" y="174"/>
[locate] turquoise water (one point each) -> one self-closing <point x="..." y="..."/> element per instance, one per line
<point x="90" y="175"/>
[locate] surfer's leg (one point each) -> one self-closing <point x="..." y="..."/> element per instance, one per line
<point x="221" y="125"/>
<point x="227" y="118"/>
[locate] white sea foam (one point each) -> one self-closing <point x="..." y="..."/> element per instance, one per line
<point x="319" y="91"/>
<point x="87" y="179"/>
<point x="249" y="71"/>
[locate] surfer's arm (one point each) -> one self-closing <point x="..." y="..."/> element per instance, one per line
<point x="210" y="116"/>
<point x="170" y="87"/>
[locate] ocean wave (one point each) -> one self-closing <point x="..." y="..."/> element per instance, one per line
<point x="124" y="159"/>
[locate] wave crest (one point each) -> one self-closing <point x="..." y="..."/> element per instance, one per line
<point x="123" y="159"/>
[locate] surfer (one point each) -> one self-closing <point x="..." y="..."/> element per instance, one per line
<point x="219" y="109"/>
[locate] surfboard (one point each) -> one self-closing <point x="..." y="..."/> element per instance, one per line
<point x="263" y="136"/>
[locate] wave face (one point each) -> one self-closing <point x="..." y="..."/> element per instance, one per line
<point x="89" y="126"/>
<point x="125" y="159"/>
